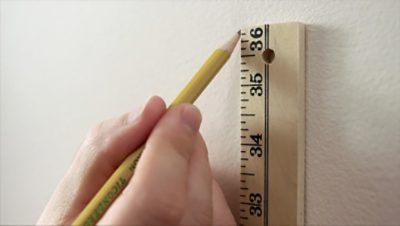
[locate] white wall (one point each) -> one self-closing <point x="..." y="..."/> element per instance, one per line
<point x="67" y="65"/>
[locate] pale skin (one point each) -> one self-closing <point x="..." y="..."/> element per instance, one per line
<point x="172" y="185"/>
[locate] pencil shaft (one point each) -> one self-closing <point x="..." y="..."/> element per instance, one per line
<point x="202" y="78"/>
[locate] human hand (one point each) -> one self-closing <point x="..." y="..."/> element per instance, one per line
<point x="172" y="184"/>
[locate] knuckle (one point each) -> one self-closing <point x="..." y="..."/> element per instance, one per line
<point x="107" y="126"/>
<point x="94" y="138"/>
<point x="97" y="130"/>
<point x="99" y="137"/>
<point x="120" y="120"/>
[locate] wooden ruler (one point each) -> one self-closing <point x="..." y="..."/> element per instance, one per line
<point x="272" y="125"/>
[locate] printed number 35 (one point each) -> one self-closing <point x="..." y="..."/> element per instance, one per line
<point x="256" y="90"/>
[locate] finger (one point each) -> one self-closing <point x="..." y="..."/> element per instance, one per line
<point x="157" y="193"/>
<point x="107" y="151"/>
<point x="199" y="203"/>
<point x="133" y="132"/>
<point x="221" y="213"/>
<point x="103" y="150"/>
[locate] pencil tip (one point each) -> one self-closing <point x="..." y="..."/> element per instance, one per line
<point x="230" y="45"/>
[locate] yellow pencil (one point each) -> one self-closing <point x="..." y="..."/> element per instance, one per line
<point x="119" y="179"/>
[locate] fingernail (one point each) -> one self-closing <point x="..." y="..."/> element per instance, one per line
<point x="134" y="115"/>
<point x="191" y="117"/>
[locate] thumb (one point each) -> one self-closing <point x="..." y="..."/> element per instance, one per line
<point x="157" y="193"/>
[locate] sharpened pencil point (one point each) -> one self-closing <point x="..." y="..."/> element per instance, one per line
<point x="231" y="43"/>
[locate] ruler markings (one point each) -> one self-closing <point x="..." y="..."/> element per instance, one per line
<point x="247" y="174"/>
<point x="248" y="55"/>
<point x="254" y="89"/>
<point x="247" y="114"/>
<point x="244" y="85"/>
<point x="248" y="144"/>
<point x="250" y="204"/>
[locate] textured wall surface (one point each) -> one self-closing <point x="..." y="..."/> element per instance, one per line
<point x="67" y="65"/>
